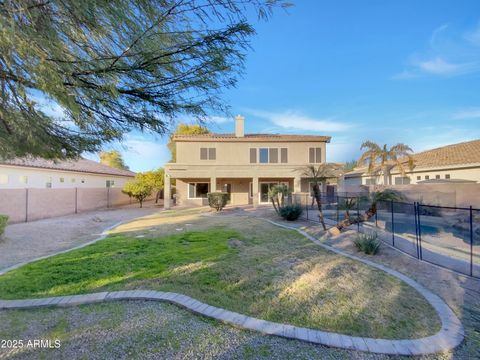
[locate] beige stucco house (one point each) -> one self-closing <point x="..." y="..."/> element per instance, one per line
<point x="244" y="165"/>
<point x="456" y="163"/>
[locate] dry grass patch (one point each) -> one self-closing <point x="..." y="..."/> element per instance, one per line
<point x="270" y="273"/>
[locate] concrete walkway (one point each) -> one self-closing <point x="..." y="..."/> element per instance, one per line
<point x="450" y="335"/>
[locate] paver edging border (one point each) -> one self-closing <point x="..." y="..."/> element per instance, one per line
<point x="450" y="335"/>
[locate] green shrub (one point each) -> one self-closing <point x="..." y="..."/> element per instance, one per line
<point x="368" y="243"/>
<point x="217" y="200"/>
<point x="291" y="212"/>
<point x="3" y="223"/>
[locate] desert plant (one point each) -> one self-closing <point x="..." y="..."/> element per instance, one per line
<point x="277" y="195"/>
<point x="375" y="198"/>
<point x="317" y="175"/>
<point x="3" y="223"/>
<point x="217" y="200"/>
<point x="367" y="243"/>
<point x="347" y="204"/>
<point x="291" y="212"/>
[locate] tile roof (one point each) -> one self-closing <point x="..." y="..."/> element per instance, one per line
<point x="251" y="137"/>
<point x="80" y="165"/>
<point x="456" y="154"/>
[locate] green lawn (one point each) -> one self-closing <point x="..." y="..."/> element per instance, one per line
<point x="241" y="264"/>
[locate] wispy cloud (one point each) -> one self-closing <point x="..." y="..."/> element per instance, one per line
<point x="470" y="113"/>
<point x="439" y="66"/>
<point x="473" y="36"/>
<point x="294" y="120"/>
<point x="450" y="54"/>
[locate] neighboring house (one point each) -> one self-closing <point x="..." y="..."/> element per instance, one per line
<point x="244" y="165"/>
<point x="40" y="173"/>
<point x="457" y="163"/>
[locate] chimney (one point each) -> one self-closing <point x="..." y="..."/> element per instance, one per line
<point x="239" y="126"/>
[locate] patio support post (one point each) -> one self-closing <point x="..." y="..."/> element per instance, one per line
<point x="297" y="184"/>
<point x="213" y="184"/>
<point x="167" y="192"/>
<point x="255" y="191"/>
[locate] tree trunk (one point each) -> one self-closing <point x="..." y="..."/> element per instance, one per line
<point x="274" y="205"/>
<point x="157" y="197"/>
<point x="362" y="218"/>
<point x="318" y="199"/>
<point x="386" y="176"/>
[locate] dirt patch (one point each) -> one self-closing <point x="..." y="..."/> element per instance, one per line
<point x="235" y="243"/>
<point x="26" y="241"/>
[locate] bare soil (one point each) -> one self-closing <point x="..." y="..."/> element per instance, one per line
<point x="26" y="241"/>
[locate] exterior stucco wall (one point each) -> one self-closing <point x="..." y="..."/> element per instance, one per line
<point x="463" y="173"/>
<point x="37" y="178"/>
<point x="238" y="153"/>
<point x="33" y="204"/>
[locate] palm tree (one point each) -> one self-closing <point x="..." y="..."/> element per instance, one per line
<point x="317" y="175"/>
<point x="277" y="195"/>
<point x="375" y="198"/>
<point x="382" y="159"/>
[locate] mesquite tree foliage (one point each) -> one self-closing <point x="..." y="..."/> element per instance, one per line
<point x="112" y="66"/>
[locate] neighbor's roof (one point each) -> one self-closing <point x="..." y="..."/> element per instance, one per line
<point x="456" y="154"/>
<point x="252" y="137"/>
<point x="451" y="155"/>
<point x="80" y="165"/>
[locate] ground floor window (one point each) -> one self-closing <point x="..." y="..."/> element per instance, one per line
<point x="198" y="190"/>
<point x="371" y="181"/>
<point x="404" y="180"/>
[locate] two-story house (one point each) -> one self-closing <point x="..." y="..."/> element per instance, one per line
<point x="244" y="165"/>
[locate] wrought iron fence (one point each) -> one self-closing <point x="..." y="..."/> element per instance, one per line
<point x="445" y="236"/>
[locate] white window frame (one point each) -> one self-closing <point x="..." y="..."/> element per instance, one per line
<point x="208" y="153"/>
<point x="269" y="182"/>
<point x="188" y="189"/>
<point x="402" y="180"/>
<point x="268" y="155"/>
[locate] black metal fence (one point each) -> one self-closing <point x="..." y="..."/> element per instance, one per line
<point x="445" y="236"/>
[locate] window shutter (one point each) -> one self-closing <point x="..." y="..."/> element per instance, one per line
<point x="212" y="154"/>
<point x="253" y="156"/>
<point x="203" y="154"/>
<point x="284" y="155"/>
<point x="273" y="156"/>
<point x="318" y="155"/>
<point x="311" y="155"/>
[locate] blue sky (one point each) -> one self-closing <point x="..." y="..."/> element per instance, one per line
<point x="387" y="71"/>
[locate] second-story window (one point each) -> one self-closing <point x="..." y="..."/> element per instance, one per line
<point x="284" y="155"/>
<point x="253" y="156"/>
<point x="208" y="153"/>
<point x="315" y="155"/>
<point x="273" y="155"/>
<point x="263" y="156"/>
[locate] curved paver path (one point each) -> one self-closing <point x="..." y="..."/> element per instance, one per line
<point x="450" y="335"/>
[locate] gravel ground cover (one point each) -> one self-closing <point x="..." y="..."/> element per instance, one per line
<point x="148" y="330"/>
